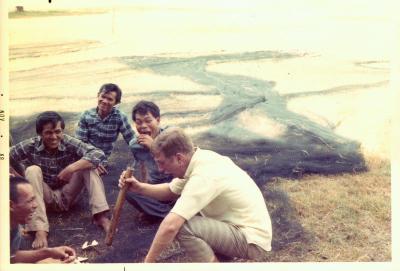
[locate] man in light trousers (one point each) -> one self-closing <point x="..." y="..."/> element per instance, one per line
<point x="58" y="168"/>
<point x="233" y="220"/>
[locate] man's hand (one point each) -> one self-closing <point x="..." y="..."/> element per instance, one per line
<point x="64" y="253"/>
<point x="102" y="170"/>
<point x="145" y="140"/>
<point x="165" y="235"/>
<point x="134" y="185"/>
<point x="13" y="172"/>
<point x="147" y="259"/>
<point x="65" y="175"/>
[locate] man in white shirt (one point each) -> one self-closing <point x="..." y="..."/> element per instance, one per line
<point x="234" y="219"/>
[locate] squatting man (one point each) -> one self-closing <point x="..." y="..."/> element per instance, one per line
<point x="233" y="220"/>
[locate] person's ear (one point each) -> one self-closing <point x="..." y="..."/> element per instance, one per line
<point x="179" y="158"/>
<point x="158" y="120"/>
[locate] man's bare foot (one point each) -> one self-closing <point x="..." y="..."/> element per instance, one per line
<point x="102" y="220"/>
<point x="40" y="240"/>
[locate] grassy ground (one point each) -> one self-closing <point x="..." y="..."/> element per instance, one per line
<point x="37" y="13"/>
<point x="335" y="218"/>
<point x="348" y="215"/>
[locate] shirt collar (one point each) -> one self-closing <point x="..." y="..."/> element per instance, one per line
<point x="113" y="111"/>
<point x="192" y="163"/>
<point x="40" y="146"/>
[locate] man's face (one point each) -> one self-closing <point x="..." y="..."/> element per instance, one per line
<point x="170" y="165"/>
<point x="106" y="102"/>
<point x="147" y="124"/>
<point x="26" y="204"/>
<point x="52" y="136"/>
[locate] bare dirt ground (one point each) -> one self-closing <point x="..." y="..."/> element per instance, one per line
<point x="279" y="106"/>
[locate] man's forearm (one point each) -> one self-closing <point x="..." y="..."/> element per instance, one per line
<point x="162" y="240"/>
<point x="166" y="233"/>
<point x="157" y="191"/>
<point x="80" y="165"/>
<point x="31" y="256"/>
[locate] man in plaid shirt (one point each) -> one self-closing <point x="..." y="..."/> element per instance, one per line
<point x="58" y="167"/>
<point x="100" y="126"/>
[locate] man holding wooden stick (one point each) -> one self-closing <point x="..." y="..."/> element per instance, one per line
<point x="234" y="219"/>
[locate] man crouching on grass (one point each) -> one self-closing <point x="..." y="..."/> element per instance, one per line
<point x="22" y="206"/>
<point x="234" y="219"/>
<point x="59" y="167"/>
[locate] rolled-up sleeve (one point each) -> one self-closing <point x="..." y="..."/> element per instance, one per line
<point x="176" y="185"/>
<point x="85" y="151"/>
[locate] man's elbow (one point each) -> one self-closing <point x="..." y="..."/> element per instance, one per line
<point x="172" y="225"/>
<point x="171" y="229"/>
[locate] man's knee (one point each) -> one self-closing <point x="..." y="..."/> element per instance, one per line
<point x="196" y="248"/>
<point x="184" y="232"/>
<point x="192" y="227"/>
<point x="33" y="174"/>
<point x="33" y="169"/>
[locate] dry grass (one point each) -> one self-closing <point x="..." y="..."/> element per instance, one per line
<point x="348" y="216"/>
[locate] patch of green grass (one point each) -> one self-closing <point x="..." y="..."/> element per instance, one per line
<point x="37" y="13"/>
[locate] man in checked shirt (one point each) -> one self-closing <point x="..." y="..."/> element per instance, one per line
<point x="58" y="167"/>
<point x="101" y="126"/>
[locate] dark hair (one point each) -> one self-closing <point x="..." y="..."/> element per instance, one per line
<point x="106" y="88"/>
<point x="14" y="182"/>
<point x="48" y="117"/>
<point x="143" y="107"/>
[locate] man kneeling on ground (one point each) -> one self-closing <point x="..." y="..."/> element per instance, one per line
<point x="22" y="207"/>
<point x="234" y="219"/>
<point x="59" y="166"/>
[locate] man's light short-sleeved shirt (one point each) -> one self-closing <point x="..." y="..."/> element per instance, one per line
<point x="217" y="188"/>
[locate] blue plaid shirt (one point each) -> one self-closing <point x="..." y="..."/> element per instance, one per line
<point x="102" y="133"/>
<point x="32" y="152"/>
<point x="144" y="155"/>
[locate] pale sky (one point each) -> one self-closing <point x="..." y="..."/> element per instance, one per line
<point x="354" y="7"/>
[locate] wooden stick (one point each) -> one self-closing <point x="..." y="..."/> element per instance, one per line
<point x="143" y="172"/>
<point x="117" y="209"/>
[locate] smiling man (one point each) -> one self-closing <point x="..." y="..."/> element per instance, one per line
<point x="58" y="167"/>
<point x="22" y="206"/>
<point x="100" y="126"/>
<point x="234" y="219"/>
<point x="146" y="117"/>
